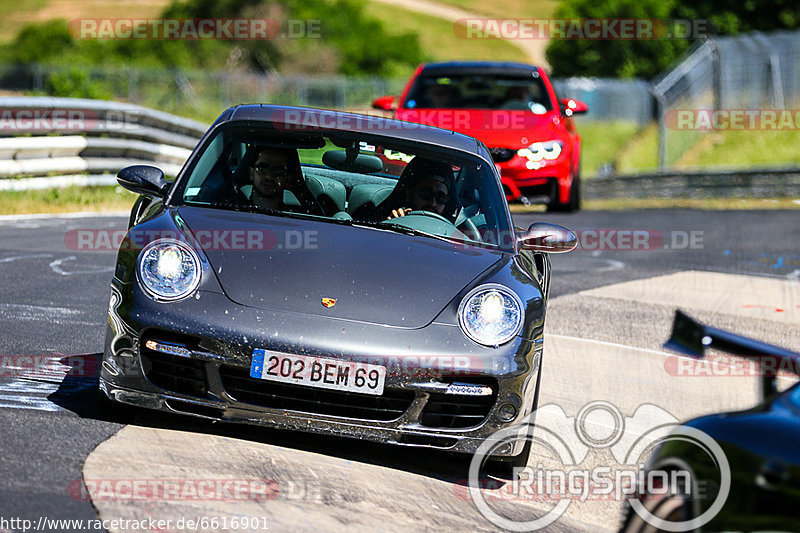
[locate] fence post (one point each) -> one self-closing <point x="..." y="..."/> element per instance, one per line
<point x="661" y="104"/>
<point x="716" y="66"/>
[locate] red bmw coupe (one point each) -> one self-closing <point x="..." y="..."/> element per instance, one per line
<point x="513" y="109"/>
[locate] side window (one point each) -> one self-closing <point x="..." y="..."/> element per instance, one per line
<point x="202" y="171"/>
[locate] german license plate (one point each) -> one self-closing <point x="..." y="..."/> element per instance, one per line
<point x="318" y="372"/>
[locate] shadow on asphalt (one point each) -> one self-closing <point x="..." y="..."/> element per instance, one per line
<point x="79" y="393"/>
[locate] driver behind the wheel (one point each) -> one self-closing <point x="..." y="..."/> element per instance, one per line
<point x="425" y="185"/>
<point x="427" y="194"/>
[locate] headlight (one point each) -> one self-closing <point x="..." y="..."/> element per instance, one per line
<point x="490" y="314"/>
<point x="169" y="269"/>
<point x="549" y="150"/>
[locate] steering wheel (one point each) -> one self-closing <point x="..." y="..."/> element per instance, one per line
<point x="465" y="219"/>
<point x="430" y="214"/>
<point x="438" y="218"/>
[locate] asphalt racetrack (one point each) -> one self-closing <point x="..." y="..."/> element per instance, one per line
<point x="610" y="310"/>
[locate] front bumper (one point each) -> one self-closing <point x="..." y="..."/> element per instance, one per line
<point x="212" y="379"/>
<point x="548" y="183"/>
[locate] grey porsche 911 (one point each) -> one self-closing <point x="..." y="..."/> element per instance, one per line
<point x="336" y="273"/>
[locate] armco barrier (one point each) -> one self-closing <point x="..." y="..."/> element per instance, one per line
<point x="757" y="183"/>
<point x="55" y="142"/>
<point x="116" y="135"/>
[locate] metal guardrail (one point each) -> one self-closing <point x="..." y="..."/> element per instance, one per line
<point x="56" y="142"/>
<point x="104" y="137"/>
<point x="753" y="183"/>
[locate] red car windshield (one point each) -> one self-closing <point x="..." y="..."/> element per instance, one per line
<point x="479" y="91"/>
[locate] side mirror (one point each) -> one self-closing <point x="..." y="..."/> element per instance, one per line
<point x="546" y="237"/>
<point x="570" y="106"/>
<point x="144" y="179"/>
<point x="385" y="103"/>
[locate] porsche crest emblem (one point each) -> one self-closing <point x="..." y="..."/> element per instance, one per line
<point x="329" y="302"/>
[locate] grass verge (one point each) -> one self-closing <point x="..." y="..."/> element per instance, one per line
<point x="529" y="9"/>
<point x="66" y="200"/>
<point x="114" y="198"/>
<point x="438" y="38"/>
<point x="602" y="141"/>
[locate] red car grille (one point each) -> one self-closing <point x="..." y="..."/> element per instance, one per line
<point x="501" y="155"/>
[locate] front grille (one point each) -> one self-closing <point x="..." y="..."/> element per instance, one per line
<point x="175" y="374"/>
<point x="501" y="155"/>
<point x="456" y="410"/>
<point x="243" y="388"/>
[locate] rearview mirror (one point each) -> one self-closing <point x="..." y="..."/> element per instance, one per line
<point x="385" y="103"/>
<point x="144" y="179"/>
<point x="570" y="106"/>
<point x="352" y="161"/>
<point x="546" y="237"/>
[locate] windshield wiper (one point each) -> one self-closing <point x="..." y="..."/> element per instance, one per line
<point x="405" y="230"/>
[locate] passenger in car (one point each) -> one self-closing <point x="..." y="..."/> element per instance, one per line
<point x="277" y="181"/>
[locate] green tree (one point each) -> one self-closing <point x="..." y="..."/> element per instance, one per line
<point x="648" y="57"/>
<point x="621" y="58"/>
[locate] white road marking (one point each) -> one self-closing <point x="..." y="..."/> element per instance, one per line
<point x="30" y="389"/>
<point x="42" y="313"/>
<point x="21" y="257"/>
<point x="55" y="266"/>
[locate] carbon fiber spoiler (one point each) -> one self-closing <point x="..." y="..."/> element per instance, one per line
<point x="690" y="337"/>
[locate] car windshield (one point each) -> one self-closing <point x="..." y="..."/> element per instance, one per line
<point x="480" y="91"/>
<point x="350" y="178"/>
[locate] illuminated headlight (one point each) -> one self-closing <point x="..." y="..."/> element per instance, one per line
<point x="168" y="269"/>
<point x="490" y="315"/>
<point x="548" y="150"/>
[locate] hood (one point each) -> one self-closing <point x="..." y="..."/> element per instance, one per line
<point x="375" y="276"/>
<point x="494" y="127"/>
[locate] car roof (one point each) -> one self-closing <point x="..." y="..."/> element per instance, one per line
<point x="327" y="120"/>
<point x="482" y="66"/>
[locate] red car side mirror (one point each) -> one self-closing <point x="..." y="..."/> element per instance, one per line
<point x="385" y="103"/>
<point x="570" y="106"/>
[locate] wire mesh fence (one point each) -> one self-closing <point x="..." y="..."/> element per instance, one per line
<point x="746" y="82"/>
<point x="610" y="99"/>
<point x="196" y="94"/>
<point x="204" y="94"/>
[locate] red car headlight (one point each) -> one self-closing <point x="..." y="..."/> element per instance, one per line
<point x="538" y="151"/>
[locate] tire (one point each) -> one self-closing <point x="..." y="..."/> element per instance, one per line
<point x="672" y="506"/>
<point x="573" y="203"/>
